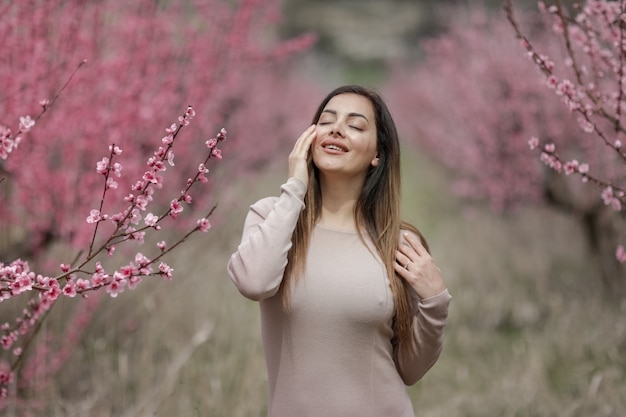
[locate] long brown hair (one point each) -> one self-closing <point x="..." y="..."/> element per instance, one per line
<point x="377" y="211"/>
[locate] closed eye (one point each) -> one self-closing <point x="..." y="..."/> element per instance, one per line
<point x="357" y="128"/>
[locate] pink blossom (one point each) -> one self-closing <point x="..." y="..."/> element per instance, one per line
<point x="133" y="281"/>
<point x="115" y="288"/>
<point x="160" y="153"/>
<point x="204" y="225"/>
<point x="54" y="291"/>
<point x="6" y="341"/>
<point x="129" y="270"/>
<point x="202" y="178"/>
<point x="141" y="202"/>
<point x="187" y="198"/>
<point x="150" y="176"/>
<point x="551" y="161"/>
<point x="138" y="186"/>
<point x="609" y="198"/>
<point x="134" y="235"/>
<point x="203" y="169"/>
<point x="115" y="149"/>
<point x="570" y="167"/>
<point x="211" y="143"/>
<point x="216" y="153"/>
<point x="112" y="184"/>
<point x="565" y="88"/>
<point x="82" y="285"/>
<point x="165" y="270"/>
<point x="175" y="208"/>
<point x="117" y="169"/>
<point x="161" y="245"/>
<point x="99" y="278"/>
<point x="26" y="123"/>
<point x="586" y="125"/>
<point x="94" y="216"/>
<point x="111" y="250"/>
<point x="533" y="142"/>
<point x="159" y="166"/>
<point x="583" y="168"/>
<point x="102" y="166"/>
<point x="65" y="267"/>
<point x="70" y="289"/>
<point x="172" y="128"/>
<point x="134" y="218"/>
<point x="142" y="260"/>
<point x="617" y="144"/>
<point x="183" y="121"/>
<point x="151" y="219"/>
<point x="550" y="147"/>
<point x="170" y="158"/>
<point x="620" y="254"/>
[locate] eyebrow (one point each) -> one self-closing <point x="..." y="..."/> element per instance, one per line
<point x="352" y="114"/>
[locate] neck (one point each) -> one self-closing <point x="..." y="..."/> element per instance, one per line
<point x="339" y="197"/>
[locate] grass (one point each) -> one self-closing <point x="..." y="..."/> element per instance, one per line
<point x="530" y="332"/>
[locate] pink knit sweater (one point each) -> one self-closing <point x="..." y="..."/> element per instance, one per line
<point x="331" y="354"/>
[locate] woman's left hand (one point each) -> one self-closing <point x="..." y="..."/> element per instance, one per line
<point x="417" y="267"/>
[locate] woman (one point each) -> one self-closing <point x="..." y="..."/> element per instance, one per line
<point x="352" y="305"/>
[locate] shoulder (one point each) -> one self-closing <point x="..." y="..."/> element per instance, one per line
<point x="409" y="228"/>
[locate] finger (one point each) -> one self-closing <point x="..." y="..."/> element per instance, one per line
<point x="406" y="250"/>
<point x="303" y="143"/>
<point x="400" y="270"/>
<point x="415" y="244"/>
<point x="402" y="259"/>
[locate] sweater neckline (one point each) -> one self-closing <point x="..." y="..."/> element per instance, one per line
<point x="329" y="229"/>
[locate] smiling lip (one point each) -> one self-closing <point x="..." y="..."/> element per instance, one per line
<point x="334" y="146"/>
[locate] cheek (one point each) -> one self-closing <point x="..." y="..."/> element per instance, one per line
<point x="320" y="130"/>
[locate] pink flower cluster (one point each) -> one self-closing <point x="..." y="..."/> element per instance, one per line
<point x="6" y="378"/>
<point x="8" y="143"/>
<point x="610" y="197"/>
<point x="15" y="279"/>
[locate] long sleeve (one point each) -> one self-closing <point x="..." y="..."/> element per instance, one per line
<point x="429" y="321"/>
<point x="257" y="266"/>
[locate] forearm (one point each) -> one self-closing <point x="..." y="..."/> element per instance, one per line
<point x="429" y="321"/>
<point x="258" y="265"/>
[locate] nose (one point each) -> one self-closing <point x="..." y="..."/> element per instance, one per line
<point x="336" y="129"/>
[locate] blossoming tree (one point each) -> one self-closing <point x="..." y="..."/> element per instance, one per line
<point x="478" y="103"/>
<point x="132" y="65"/>
<point x="143" y="60"/>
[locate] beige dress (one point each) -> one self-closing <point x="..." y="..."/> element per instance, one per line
<point x="331" y="354"/>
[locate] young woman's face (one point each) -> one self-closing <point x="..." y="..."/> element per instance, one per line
<point x="346" y="136"/>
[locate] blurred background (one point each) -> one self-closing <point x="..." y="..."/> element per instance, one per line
<point x="537" y="323"/>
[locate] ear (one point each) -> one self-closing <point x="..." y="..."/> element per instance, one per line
<point x="375" y="161"/>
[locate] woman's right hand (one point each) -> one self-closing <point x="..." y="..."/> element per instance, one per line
<point x="298" y="167"/>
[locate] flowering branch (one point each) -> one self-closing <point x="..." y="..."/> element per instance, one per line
<point x="9" y="141"/>
<point x="595" y="48"/>
<point x="16" y="278"/>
